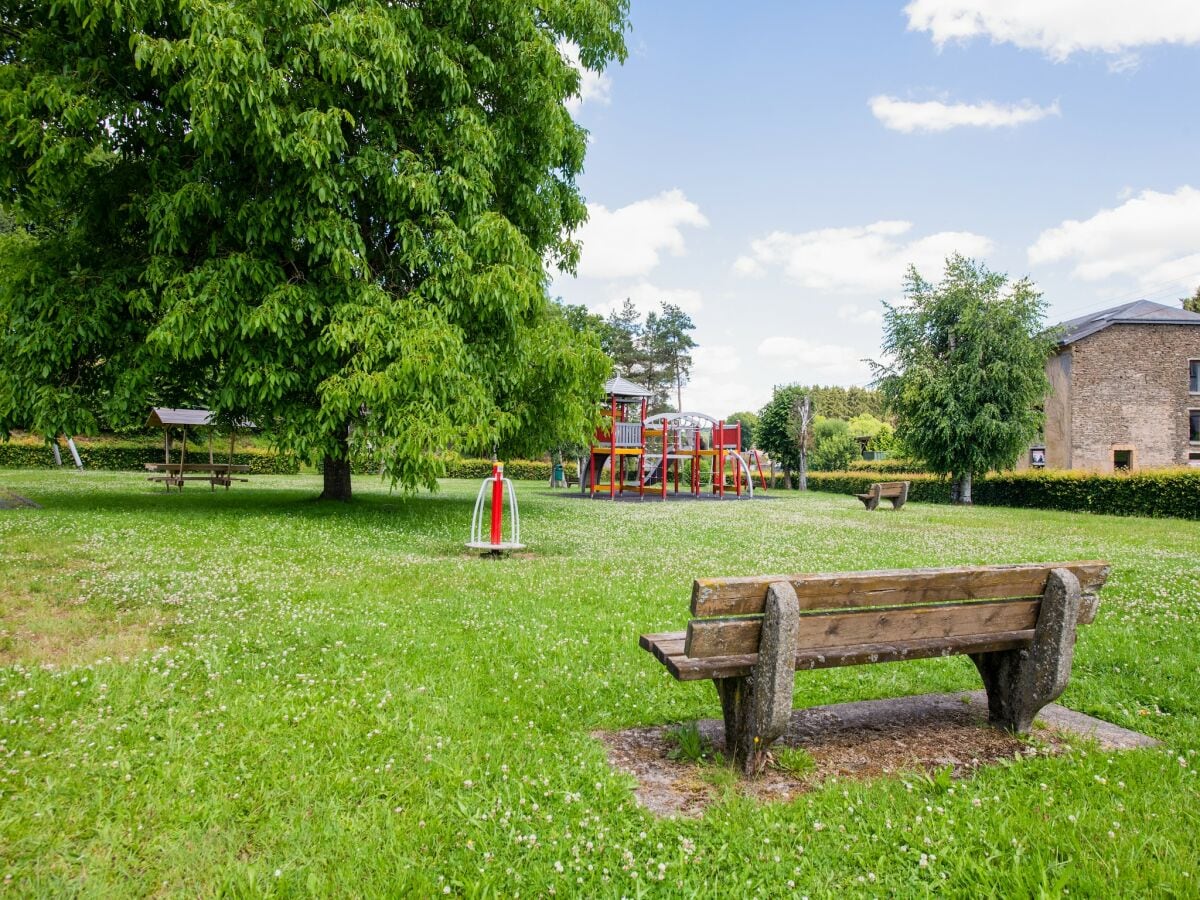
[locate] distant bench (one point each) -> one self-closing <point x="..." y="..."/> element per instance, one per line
<point x="175" y="474"/>
<point x="1017" y="623"/>
<point x="896" y="491"/>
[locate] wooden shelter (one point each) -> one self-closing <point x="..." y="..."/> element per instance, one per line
<point x="174" y="474"/>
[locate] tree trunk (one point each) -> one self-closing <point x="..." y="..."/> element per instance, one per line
<point x="337" y="472"/>
<point x="960" y="489"/>
<point x="803" y="469"/>
<point x="787" y="479"/>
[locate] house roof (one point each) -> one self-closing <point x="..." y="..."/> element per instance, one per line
<point x="1139" y="312"/>
<point x="162" y="417"/>
<point x="622" y="387"/>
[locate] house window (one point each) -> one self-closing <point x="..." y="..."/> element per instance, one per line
<point x="1194" y="376"/>
<point x="1122" y="460"/>
<point x="1194" y="426"/>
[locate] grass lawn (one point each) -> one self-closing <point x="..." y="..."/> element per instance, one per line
<point x="250" y="693"/>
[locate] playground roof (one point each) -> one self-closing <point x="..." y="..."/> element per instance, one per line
<point x="162" y="417"/>
<point x="622" y="387"/>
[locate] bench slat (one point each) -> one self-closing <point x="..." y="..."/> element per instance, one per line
<point x="735" y="637"/>
<point x="685" y="669"/>
<point x="895" y="587"/>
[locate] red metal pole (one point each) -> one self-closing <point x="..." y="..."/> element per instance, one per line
<point x="612" y="459"/>
<point x="720" y="460"/>
<point x="642" y="455"/>
<point x="737" y="469"/>
<point x="497" y="501"/>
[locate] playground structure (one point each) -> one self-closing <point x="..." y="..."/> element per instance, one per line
<point x="648" y="455"/>
<point x="495" y="545"/>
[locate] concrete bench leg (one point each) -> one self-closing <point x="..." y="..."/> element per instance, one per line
<point x="1020" y="683"/>
<point x="757" y="708"/>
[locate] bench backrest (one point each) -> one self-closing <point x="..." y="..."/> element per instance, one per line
<point x="889" y="488"/>
<point x="907" y="612"/>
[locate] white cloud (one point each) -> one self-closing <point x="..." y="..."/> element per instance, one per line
<point x="1153" y="237"/>
<point x="594" y="87"/>
<point x="627" y="242"/>
<point x="1059" y="28"/>
<point x="748" y="266"/>
<point x="830" y="362"/>
<point x="863" y="259"/>
<point x="716" y="386"/>
<point x="850" y="312"/>
<point x="933" y="115"/>
<point x="647" y="297"/>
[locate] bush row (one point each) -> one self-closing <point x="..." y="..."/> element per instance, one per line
<point x="516" y="469"/>
<point x="886" y="465"/>
<point x="112" y="456"/>
<point x="1171" y="493"/>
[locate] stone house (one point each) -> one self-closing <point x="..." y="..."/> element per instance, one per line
<point x="1124" y="391"/>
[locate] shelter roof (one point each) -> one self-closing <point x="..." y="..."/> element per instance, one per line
<point x="622" y="387"/>
<point x="1139" y="312"/>
<point x="161" y="417"/>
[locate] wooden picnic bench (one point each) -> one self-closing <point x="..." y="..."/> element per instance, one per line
<point x="175" y="474"/>
<point x="750" y="636"/>
<point x="896" y="491"/>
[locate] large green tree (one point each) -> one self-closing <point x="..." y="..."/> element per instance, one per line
<point x="331" y="218"/>
<point x="965" y="374"/>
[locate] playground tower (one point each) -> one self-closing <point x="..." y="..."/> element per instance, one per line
<point x="688" y="453"/>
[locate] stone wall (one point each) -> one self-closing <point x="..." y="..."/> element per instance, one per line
<point x="1128" y="389"/>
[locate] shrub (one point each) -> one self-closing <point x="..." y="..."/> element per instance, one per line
<point x="899" y="464"/>
<point x="1171" y="493"/>
<point x="833" y="446"/>
<point x="133" y="455"/>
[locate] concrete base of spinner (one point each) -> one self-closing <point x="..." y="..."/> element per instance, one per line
<point x="490" y="549"/>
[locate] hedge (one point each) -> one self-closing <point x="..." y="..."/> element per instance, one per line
<point x="516" y="469"/>
<point x="886" y="465"/>
<point x="1163" y="493"/>
<point x="117" y="456"/>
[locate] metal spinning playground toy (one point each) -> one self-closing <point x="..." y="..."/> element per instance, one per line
<point x="666" y="455"/>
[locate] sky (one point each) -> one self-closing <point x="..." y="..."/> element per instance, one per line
<point x="774" y="167"/>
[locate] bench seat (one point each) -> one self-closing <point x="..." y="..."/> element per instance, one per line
<point x="1017" y="623"/>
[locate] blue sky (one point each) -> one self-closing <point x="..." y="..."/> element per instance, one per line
<point x="774" y="166"/>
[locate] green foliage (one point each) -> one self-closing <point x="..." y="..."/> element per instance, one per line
<point x="884" y="440"/>
<point x="835" y="402"/>
<point x="122" y="455"/>
<point x="655" y="353"/>
<point x="778" y="430"/>
<point x="967" y="379"/>
<point x="1166" y="493"/>
<point x="749" y="423"/>
<point x="689" y="743"/>
<point x="833" y="447"/>
<point x="775" y="426"/>
<point x="320" y="216"/>
<point x="1192" y="303"/>
<point x="796" y="761"/>
<point x="883" y="466"/>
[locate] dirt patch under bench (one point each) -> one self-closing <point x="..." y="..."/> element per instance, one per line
<point x="929" y="733"/>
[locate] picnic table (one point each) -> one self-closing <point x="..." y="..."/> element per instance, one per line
<point x="175" y="474"/>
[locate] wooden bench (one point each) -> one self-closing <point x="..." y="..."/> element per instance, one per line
<point x="176" y="474"/>
<point x="896" y="491"/>
<point x="750" y="635"/>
